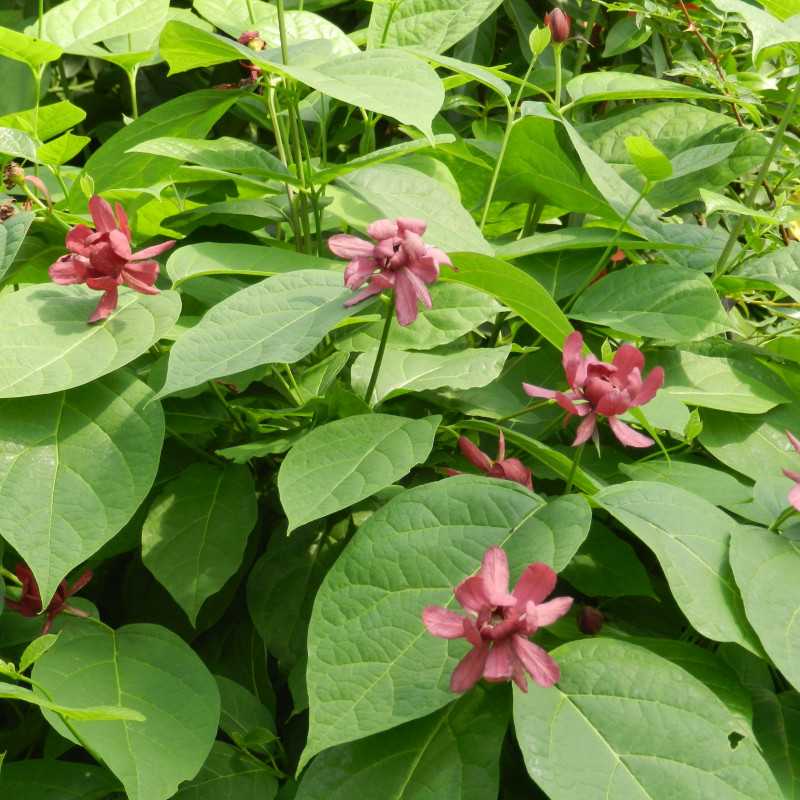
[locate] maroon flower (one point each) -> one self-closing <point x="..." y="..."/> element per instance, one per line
<point x="498" y="624"/>
<point x="253" y="40"/>
<point x="600" y="388"/>
<point x="512" y="469"/>
<point x="399" y="260"/>
<point x="794" y="493"/>
<point x="30" y="604"/>
<point x="590" y="620"/>
<point x="559" y="24"/>
<point x="102" y="259"/>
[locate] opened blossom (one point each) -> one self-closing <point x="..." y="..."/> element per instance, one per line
<point x="397" y="259"/>
<point x="103" y="260"/>
<point x="601" y="389"/>
<point x="794" y="493"/>
<point x="511" y="469"/>
<point x="30" y="602"/>
<point x="498" y="624"/>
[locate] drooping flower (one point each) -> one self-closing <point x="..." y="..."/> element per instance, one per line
<point x="102" y="258"/>
<point x="398" y="260"/>
<point x="794" y="493"/>
<point x="512" y="469"/>
<point x="253" y="40"/>
<point x="30" y="603"/>
<point x="599" y="388"/>
<point x="559" y="24"/>
<point x="498" y="624"/>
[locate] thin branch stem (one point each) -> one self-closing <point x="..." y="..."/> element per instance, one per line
<point x="576" y="460"/>
<point x="376" y="367"/>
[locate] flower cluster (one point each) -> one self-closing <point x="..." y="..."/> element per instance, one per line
<point x="102" y="258"/>
<point x="498" y="624"/>
<point x="397" y="259"/>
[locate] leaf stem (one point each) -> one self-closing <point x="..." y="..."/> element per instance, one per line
<point x="40" y="20"/>
<point x="557" y="49"/>
<point x="574" y="468"/>
<point x="251" y="12"/>
<point x="583" y="47"/>
<point x="376" y="367"/>
<point x="132" y="73"/>
<point x="393" y="6"/>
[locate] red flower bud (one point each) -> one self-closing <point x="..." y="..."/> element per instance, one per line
<point x="559" y="24"/>
<point x="590" y="620"/>
<point x="253" y="40"/>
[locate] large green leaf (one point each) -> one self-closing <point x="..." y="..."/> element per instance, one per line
<point x="51" y="119"/>
<point x="153" y="671"/>
<point x="662" y="301"/>
<point x="27" y="49"/>
<point x="45" y="779"/>
<point x="348" y="460"/>
<point x="515" y="289"/>
<point x="766" y="566"/>
<point x="452" y="754"/>
<point x="779" y="268"/>
<point x="393" y="191"/>
<point x="435" y="25"/>
<point x="594" y="87"/>
<point x="10" y="691"/>
<point x="12" y="234"/>
<point x="74" y="467"/>
<point x="46" y="344"/>
<point x="196" y="532"/>
<point x="404" y="371"/>
<point x="777" y="728"/>
<point x="279" y="320"/>
<point x="17" y="144"/>
<point x="371" y="664"/>
<point x="766" y="29"/>
<point x="241" y="711"/>
<point x="644" y="729"/>
<point x="690" y="537"/>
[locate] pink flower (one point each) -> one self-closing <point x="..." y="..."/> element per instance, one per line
<point x="559" y="24"/>
<point x="512" y="469"/>
<point x="600" y="388"/>
<point x="498" y="624"/>
<point x="794" y="493"/>
<point x="102" y="258"/>
<point x="399" y="260"/>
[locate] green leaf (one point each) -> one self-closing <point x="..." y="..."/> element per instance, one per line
<point x="10" y="691"/>
<point x="779" y="268"/>
<point x="279" y="320"/>
<point x="594" y="87"/>
<point x="690" y="538"/>
<point x="405" y="371"/>
<point x="241" y="711"/>
<point x="765" y="566"/>
<point x="230" y="773"/>
<point x="17" y="144"/>
<point x="196" y="531"/>
<point x="74" y="467"/>
<point x="434" y="25"/>
<point x="372" y="665"/>
<point x="395" y="191"/>
<point x="718" y="203"/>
<point x="46" y="344"/>
<point x="515" y="289"/>
<point x="112" y="167"/>
<point x="663" y="301"/>
<point x="153" y="671"/>
<point x="572" y="240"/>
<point x="603" y="710"/>
<point x="51" y="120"/>
<point x="12" y="234"/>
<point x="766" y="30"/>
<point x="45" y="779"/>
<point x="456" y="311"/>
<point x="777" y="727"/>
<point x="348" y="460"/>
<point x="626" y="34"/>
<point x="217" y="258"/>
<point x="35" y="650"/>
<point x="27" y="49"/>
<point x="649" y="160"/>
<point x="428" y="757"/>
<point x="61" y="150"/>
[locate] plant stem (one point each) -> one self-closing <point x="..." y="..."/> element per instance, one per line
<point x="8" y="575"/>
<point x="251" y="12"/>
<point x="228" y="410"/>
<point x="535" y="210"/>
<point x="557" y="48"/>
<point x="40" y="21"/>
<point x="132" y="73"/>
<point x="376" y="367"/>
<point x="777" y="139"/>
<point x="583" y="47"/>
<point x="269" y="95"/>
<point x="385" y="33"/>
<point x="574" y="468"/>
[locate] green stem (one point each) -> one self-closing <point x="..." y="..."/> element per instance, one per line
<point x="269" y="95"/>
<point x="251" y="12"/>
<point x="527" y="410"/>
<point x="228" y="410"/>
<point x="132" y="73"/>
<point x="385" y="33"/>
<point x="40" y="21"/>
<point x="574" y="468"/>
<point x="777" y="139"/>
<point x="10" y="576"/>
<point x="583" y="47"/>
<point x="535" y="210"/>
<point x="37" y="97"/>
<point x="376" y="367"/>
<point x="557" y="48"/>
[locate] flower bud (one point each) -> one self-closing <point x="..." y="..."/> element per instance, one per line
<point x="253" y="40"/>
<point x="559" y="24"/>
<point x="13" y="175"/>
<point x="590" y="620"/>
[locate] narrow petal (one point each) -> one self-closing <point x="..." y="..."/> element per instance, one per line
<point x="538" y="663"/>
<point x="628" y="358"/>
<point x="494" y="574"/>
<point x="565" y="401"/>
<point x="586" y="429"/>
<point x="376" y="286"/>
<point x="439" y="256"/>
<point x="69" y="270"/>
<point x="135" y="282"/>
<point x="145" y="271"/>
<point x="107" y="304"/>
<point x="102" y="214"/>
<point x="358" y="271"/>
<point x="474" y="454"/>
<point x="499" y="666"/>
<point x="405" y="299"/>
<point x="420" y="289"/>
<point x="792" y="475"/>
<point x="153" y="251"/>
<point x="412" y="224"/>
<point x="501" y="446"/>
<point x="627" y="435"/>
<point x="425" y="269"/>
<point x="571" y="356"/>
<point x="535" y="584"/>
<point x="443" y="623"/>
<point x="469" y="670"/>
<point x="84" y="578"/>
<point x="346" y="246"/>
<point x="538" y="391"/>
<point x="512" y="469"/>
<point x="793" y="440"/>
<point x="102" y="283"/>
<point x="76" y="239"/>
<point x="652" y="383"/>
<point x="471" y="632"/>
<point x="471" y="594"/>
<point x="518" y="673"/>
<point x="794" y="496"/>
<point x="122" y="221"/>
<point x="120" y="244"/>
<point x="547" y="613"/>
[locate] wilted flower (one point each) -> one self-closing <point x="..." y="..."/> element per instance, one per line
<point x="253" y="40"/>
<point x="512" y="469"/>
<point x="498" y="624"/>
<point x="398" y="260"/>
<point x="590" y="620"/>
<point x="30" y="603"/>
<point x="7" y="211"/>
<point x="600" y="388"/>
<point x="102" y="259"/>
<point x="559" y="24"/>
<point x="13" y="175"/>
<point x="794" y="493"/>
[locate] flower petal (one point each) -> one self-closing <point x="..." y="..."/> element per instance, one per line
<point x="120" y="244"/>
<point x="586" y="429"/>
<point x="612" y="402"/>
<point x="512" y="469"/>
<point x="76" y="239"/>
<point x="152" y="252"/>
<point x="358" y="271"/>
<point x="794" y="496"/>
<point x="652" y="383"/>
<point x="443" y="623"/>
<point x="102" y="214"/>
<point x="107" y="304"/>
<point x="346" y="246"/>
<point x="571" y="357"/>
<point x="378" y="284"/>
<point x="494" y="574"/>
<point x="538" y="663"/>
<point x="499" y="663"/>
<point x="425" y="268"/>
<point x="411" y="224"/>
<point x="383" y="229"/>
<point x="471" y="594"/>
<point x="627" y="358"/>
<point x="69" y="270"/>
<point x="538" y="391"/>
<point x="474" y="454"/>
<point x="469" y="670"/>
<point x="122" y="221"/>
<point x="547" y="613"/>
<point x="627" y="435"/>
<point x="793" y="440"/>
<point x="565" y="401"/>
<point x="535" y="584"/>
<point x="405" y="298"/>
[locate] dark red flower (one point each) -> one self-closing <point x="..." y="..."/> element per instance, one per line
<point x="30" y="603"/>
<point x="498" y="624"/>
<point x="102" y="258"/>
<point x="559" y="24"/>
<point x="590" y="620"/>
<point x="511" y="469"/>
